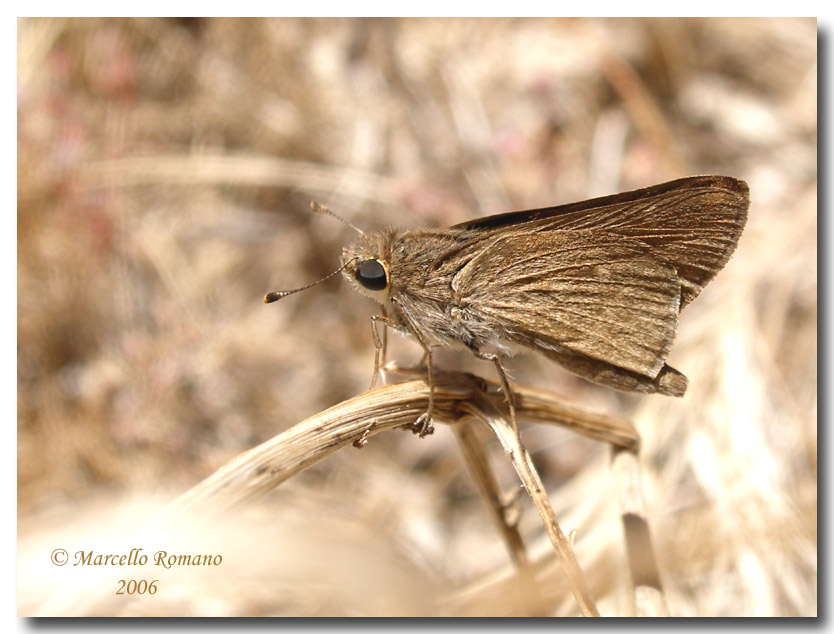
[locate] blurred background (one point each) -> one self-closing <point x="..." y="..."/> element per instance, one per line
<point x="165" y="170"/>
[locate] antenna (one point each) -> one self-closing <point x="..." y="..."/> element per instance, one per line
<point x="274" y="296"/>
<point x="321" y="209"/>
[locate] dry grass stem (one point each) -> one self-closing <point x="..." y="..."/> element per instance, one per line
<point x="504" y="508"/>
<point x="650" y="599"/>
<point x="504" y="511"/>
<point x="257" y="471"/>
<point x="509" y="438"/>
<point x="457" y="396"/>
<point x="228" y="169"/>
<point x="543" y="406"/>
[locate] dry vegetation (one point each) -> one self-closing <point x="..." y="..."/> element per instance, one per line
<point x="165" y="169"/>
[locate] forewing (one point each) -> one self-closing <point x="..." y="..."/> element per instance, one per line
<point x="584" y="292"/>
<point x="692" y="223"/>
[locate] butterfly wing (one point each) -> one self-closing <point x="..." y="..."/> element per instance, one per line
<point x="692" y="223"/>
<point x="577" y="294"/>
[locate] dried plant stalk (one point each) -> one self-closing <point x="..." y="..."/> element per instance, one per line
<point x="250" y="169"/>
<point x="510" y="439"/>
<point x="458" y="397"/>
<point x="648" y="591"/>
<point x="255" y="472"/>
<point x="503" y="509"/>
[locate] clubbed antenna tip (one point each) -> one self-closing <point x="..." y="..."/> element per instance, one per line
<point x="274" y="296"/>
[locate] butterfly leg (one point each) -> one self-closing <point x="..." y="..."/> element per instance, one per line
<point x="505" y="384"/>
<point x="423" y="423"/>
<point x="381" y="343"/>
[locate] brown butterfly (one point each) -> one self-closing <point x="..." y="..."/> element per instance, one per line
<point x="596" y="285"/>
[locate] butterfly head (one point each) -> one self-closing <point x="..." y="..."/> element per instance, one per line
<point x="367" y="265"/>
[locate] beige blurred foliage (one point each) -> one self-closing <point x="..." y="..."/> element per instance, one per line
<point x="165" y="170"/>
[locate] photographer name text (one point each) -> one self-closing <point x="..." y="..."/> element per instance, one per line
<point x="136" y="558"/>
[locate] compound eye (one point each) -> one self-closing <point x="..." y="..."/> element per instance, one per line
<point x="371" y="274"/>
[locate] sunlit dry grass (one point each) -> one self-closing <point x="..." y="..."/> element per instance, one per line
<point x="165" y="170"/>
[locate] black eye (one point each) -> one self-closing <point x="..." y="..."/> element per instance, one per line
<point x="371" y="275"/>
